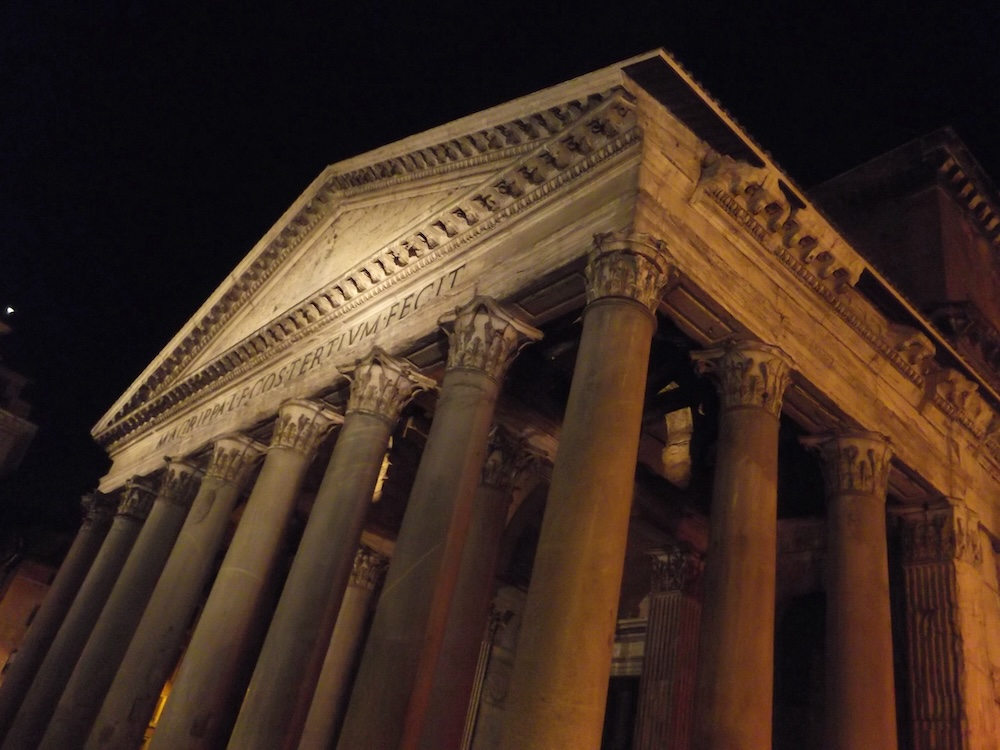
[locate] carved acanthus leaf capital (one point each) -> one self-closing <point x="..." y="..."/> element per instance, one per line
<point x="854" y="463"/>
<point x="633" y="266"/>
<point x="506" y="458"/>
<point x="233" y="458"/>
<point x="748" y="374"/>
<point x="483" y="336"/>
<point x="943" y="532"/>
<point x="136" y="500"/>
<point x="180" y="483"/>
<point x="369" y="567"/>
<point x="301" y="425"/>
<point x="382" y="385"/>
<point x="97" y="507"/>
<point x="677" y="567"/>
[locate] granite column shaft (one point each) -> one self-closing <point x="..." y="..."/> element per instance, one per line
<point x="152" y="653"/>
<point x="100" y="658"/>
<point x="33" y="717"/>
<point x="22" y="669"/>
<point x="329" y="700"/>
<point x="277" y="701"/>
<point x="860" y="689"/>
<point x="390" y="694"/>
<point x="735" y="675"/>
<point x="199" y="710"/>
<point x="559" y="684"/>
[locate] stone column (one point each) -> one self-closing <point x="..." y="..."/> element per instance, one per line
<point x="329" y="700"/>
<point x="100" y="658"/>
<point x="470" y="606"/>
<point x="734" y="687"/>
<point x="402" y="649"/>
<point x="41" y="700"/>
<point x="951" y="688"/>
<point x="22" y="668"/>
<point x="559" y="686"/>
<point x="274" y="709"/>
<point x="153" y="651"/>
<point x="860" y="690"/>
<point x="666" y="687"/>
<point x="199" y="710"/>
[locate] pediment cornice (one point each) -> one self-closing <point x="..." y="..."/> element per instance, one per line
<point x="536" y="156"/>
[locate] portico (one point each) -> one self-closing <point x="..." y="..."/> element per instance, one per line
<point x="596" y="272"/>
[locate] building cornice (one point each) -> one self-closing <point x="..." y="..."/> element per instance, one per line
<point x="551" y="150"/>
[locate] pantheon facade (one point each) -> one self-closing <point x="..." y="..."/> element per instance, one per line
<point x="574" y="423"/>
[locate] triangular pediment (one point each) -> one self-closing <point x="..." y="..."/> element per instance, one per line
<point x="369" y="218"/>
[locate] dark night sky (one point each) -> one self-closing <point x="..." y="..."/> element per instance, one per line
<point x="146" y="146"/>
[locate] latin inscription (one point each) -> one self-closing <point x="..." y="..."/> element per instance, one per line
<point x="298" y="367"/>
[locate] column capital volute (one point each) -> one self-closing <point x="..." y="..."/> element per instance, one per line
<point x="506" y="457"/>
<point x="233" y="458"/>
<point x="302" y="424"/>
<point x="368" y="569"/>
<point x="179" y="483"/>
<point x="748" y="373"/>
<point x="483" y="336"/>
<point x="630" y="266"/>
<point x="944" y="530"/>
<point x="136" y="500"/>
<point x="676" y="567"/>
<point x="855" y="462"/>
<point x="382" y="385"/>
<point x="97" y="507"/>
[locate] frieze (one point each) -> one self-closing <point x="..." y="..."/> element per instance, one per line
<point x="678" y="567"/>
<point x="608" y="130"/>
<point x="801" y="240"/>
<point x="634" y="266"/>
<point x="382" y="385"/>
<point x="136" y="501"/>
<point x="748" y="374"/>
<point x="483" y="336"/>
<point x="774" y="215"/>
<point x="180" y="483"/>
<point x="942" y="533"/>
<point x="854" y="463"/>
<point x="369" y="567"/>
<point x="301" y="424"/>
<point x="233" y="457"/>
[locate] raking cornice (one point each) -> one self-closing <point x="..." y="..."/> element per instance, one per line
<point x="550" y="149"/>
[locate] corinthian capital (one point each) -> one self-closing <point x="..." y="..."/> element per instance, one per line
<point x="301" y="424"/>
<point x="135" y="501"/>
<point x="232" y="458"/>
<point x="97" y="507"/>
<point x="180" y="483"/>
<point x="382" y="385"/>
<point x="369" y="566"/>
<point x="677" y="567"/>
<point x="942" y="532"/>
<point x="854" y="463"/>
<point x="483" y="336"/>
<point x="506" y="457"/>
<point x="748" y="374"/>
<point x="632" y="266"/>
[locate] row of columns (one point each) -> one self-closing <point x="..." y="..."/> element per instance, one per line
<point x="420" y="656"/>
